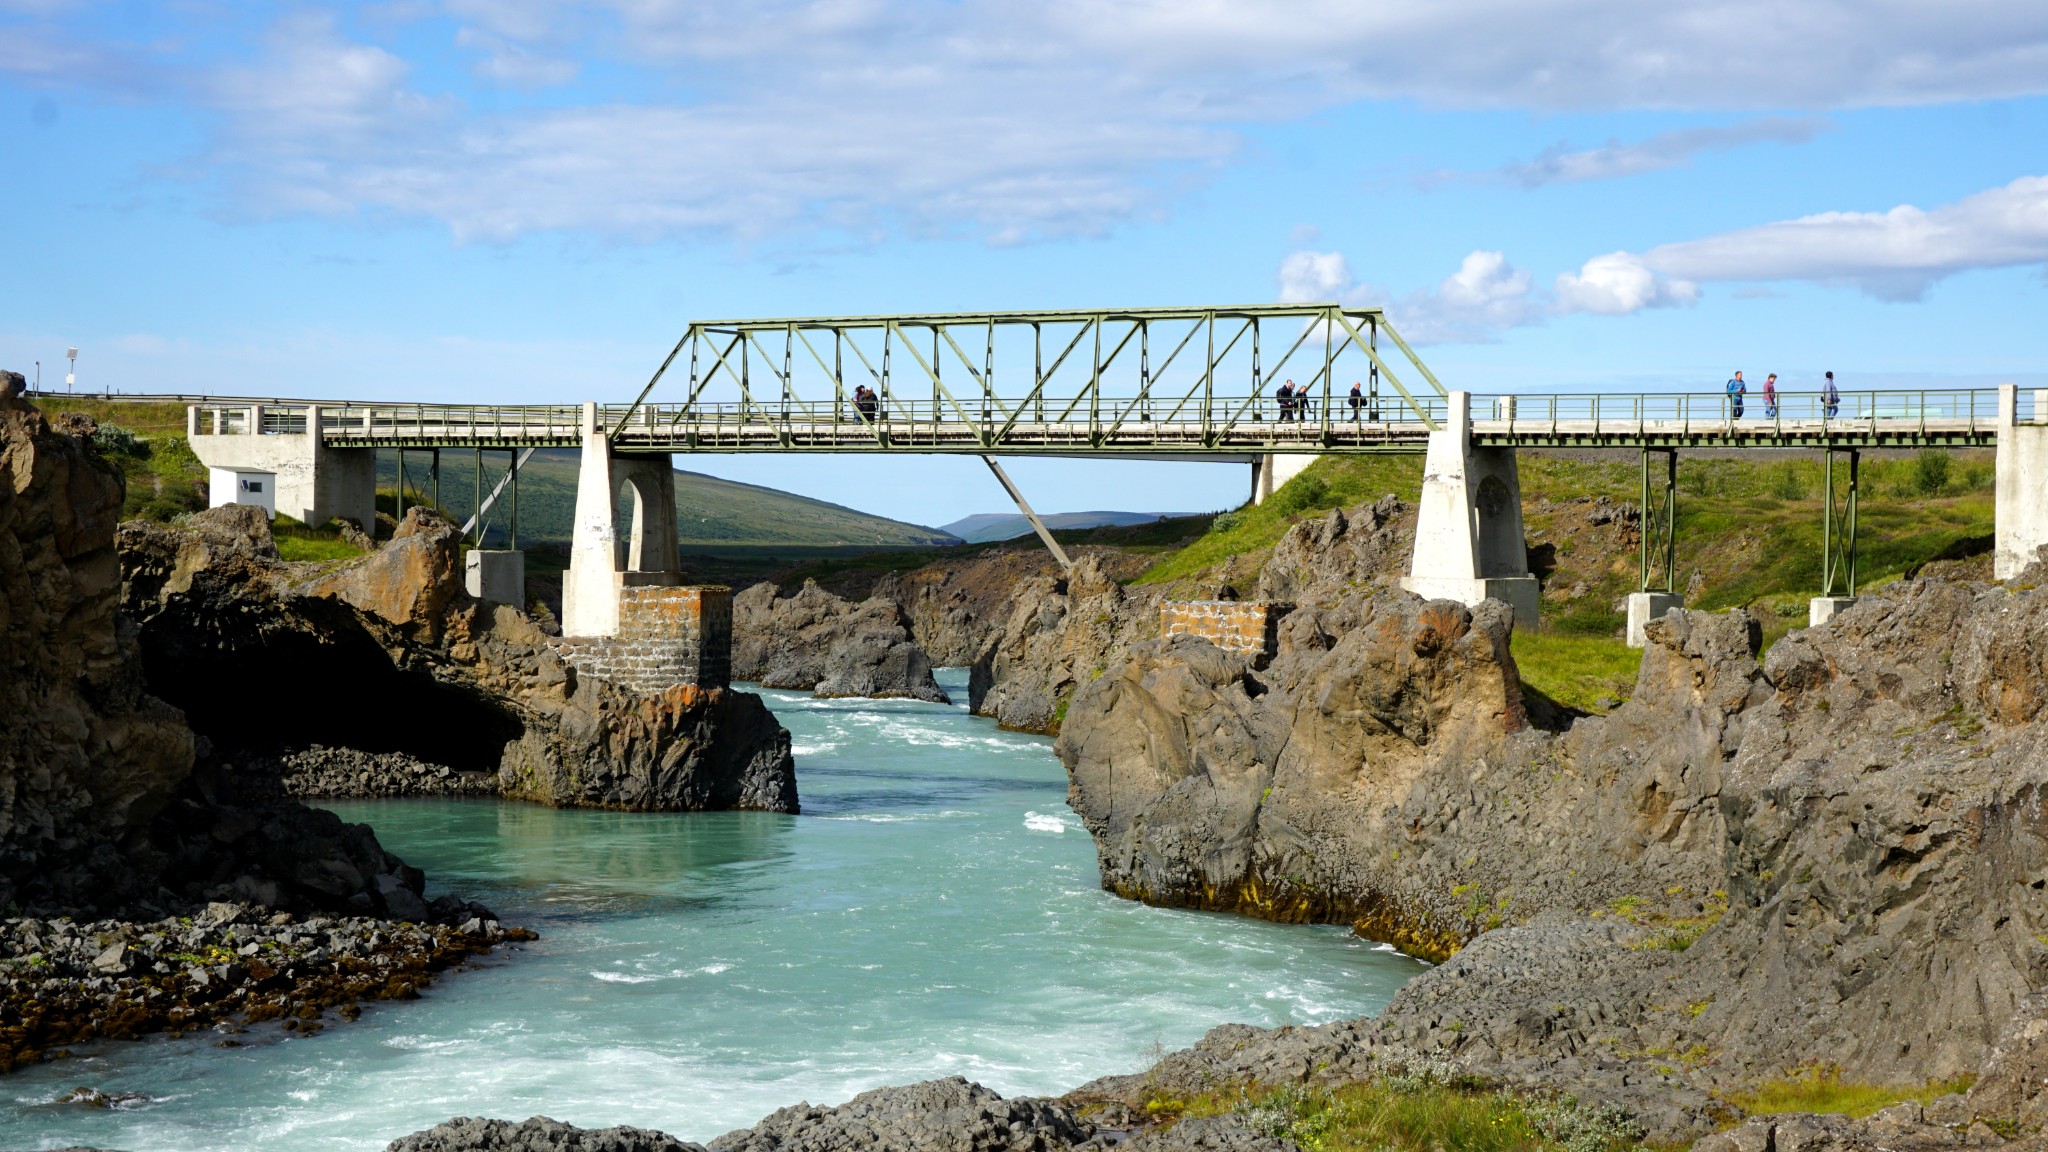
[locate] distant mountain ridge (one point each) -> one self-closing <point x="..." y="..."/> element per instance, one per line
<point x="989" y="527"/>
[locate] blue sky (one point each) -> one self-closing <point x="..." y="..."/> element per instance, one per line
<point x="518" y="201"/>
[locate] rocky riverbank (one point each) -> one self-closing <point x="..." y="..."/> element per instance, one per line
<point x="320" y="772"/>
<point x="1247" y="1089"/>
<point x="228" y="969"/>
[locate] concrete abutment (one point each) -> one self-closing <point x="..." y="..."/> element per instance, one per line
<point x="288" y="473"/>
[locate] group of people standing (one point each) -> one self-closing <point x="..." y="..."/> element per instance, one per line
<point x="1295" y="404"/>
<point x="1298" y="404"/>
<point x="1830" y="397"/>
<point x="867" y="403"/>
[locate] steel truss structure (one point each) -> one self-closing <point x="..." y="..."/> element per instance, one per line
<point x="1139" y="380"/>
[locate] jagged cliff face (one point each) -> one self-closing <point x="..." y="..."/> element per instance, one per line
<point x="87" y="756"/>
<point x="388" y="654"/>
<point x="1852" y="830"/>
<point x="1059" y="633"/>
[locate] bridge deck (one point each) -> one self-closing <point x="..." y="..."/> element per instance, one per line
<point x="1225" y="426"/>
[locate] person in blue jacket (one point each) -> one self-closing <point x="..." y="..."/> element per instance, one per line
<point x="1736" y="390"/>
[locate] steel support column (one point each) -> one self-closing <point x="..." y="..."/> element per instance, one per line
<point x="1838" y="527"/>
<point x="1658" y="528"/>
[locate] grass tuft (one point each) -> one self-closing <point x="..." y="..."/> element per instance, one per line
<point x="1820" y="1088"/>
<point x="1576" y="671"/>
<point x="302" y="542"/>
<point x="1408" y="1111"/>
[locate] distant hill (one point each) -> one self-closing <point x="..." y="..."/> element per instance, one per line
<point x="988" y="527"/>
<point x="709" y="511"/>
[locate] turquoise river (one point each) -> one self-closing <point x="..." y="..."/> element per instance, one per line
<point x="935" y="910"/>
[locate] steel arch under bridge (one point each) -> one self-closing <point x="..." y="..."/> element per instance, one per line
<point x="1160" y="380"/>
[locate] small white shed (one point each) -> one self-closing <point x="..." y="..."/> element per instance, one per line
<point x="227" y="486"/>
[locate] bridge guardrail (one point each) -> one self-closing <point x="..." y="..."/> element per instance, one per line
<point x="1968" y="411"/>
<point x="1168" y="421"/>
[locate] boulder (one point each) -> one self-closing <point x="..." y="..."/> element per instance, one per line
<point x="817" y="641"/>
<point x="949" y="1115"/>
<point x="539" y="1134"/>
<point x="681" y="749"/>
<point x="410" y="581"/>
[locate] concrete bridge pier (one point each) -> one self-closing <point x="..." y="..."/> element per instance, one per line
<point x="602" y="564"/>
<point x="284" y="470"/>
<point x="1274" y="469"/>
<point x="1468" y="532"/>
<point x="2021" y="503"/>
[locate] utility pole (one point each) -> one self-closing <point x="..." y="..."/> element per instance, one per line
<point x="71" y="377"/>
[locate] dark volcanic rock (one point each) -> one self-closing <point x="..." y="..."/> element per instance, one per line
<point x="388" y="655"/>
<point x="1832" y="856"/>
<point x="319" y="771"/>
<point x="949" y="1115"/>
<point x="818" y="641"/>
<point x="681" y="749"/>
<point x="539" y="1134"/>
<point x="1060" y="634"/>
<point x="1334" y="555"/>
<point x="64" y="982"/>
<point x="87" y="756"/>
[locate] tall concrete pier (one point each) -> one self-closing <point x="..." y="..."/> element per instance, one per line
<point x="2021" y="484"/>
<point x="602" y="563"/>
<point x="1468" y="531"/>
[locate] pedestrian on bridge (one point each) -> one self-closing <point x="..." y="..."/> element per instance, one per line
<point x="1771" y="396"/>
<point x="1736" y="390"/>
<point x="1285" y="397"/>
<point x="1357" y="401"/>
<point x="1830" y="399"/>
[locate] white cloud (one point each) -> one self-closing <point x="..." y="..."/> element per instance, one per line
<point x="1676" y="149"/>
<point x="1894" y="255"/>
<point x="1007" y="119"/>
<point x="1617" y="284"/>
<point x="1315" y="277"/>
<point x="1483" y="298"/>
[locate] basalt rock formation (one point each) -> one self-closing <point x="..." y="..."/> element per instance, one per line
<point x="818" y="641"/>
<point x="1833" y="855"/>
<point x="109" y="803"/>
<point x="87" y="757"/>
<point x="1060" y="633"/>
<point x="387" y="654"/>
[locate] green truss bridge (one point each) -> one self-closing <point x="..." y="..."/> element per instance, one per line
<point x="1163" y="383"/>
